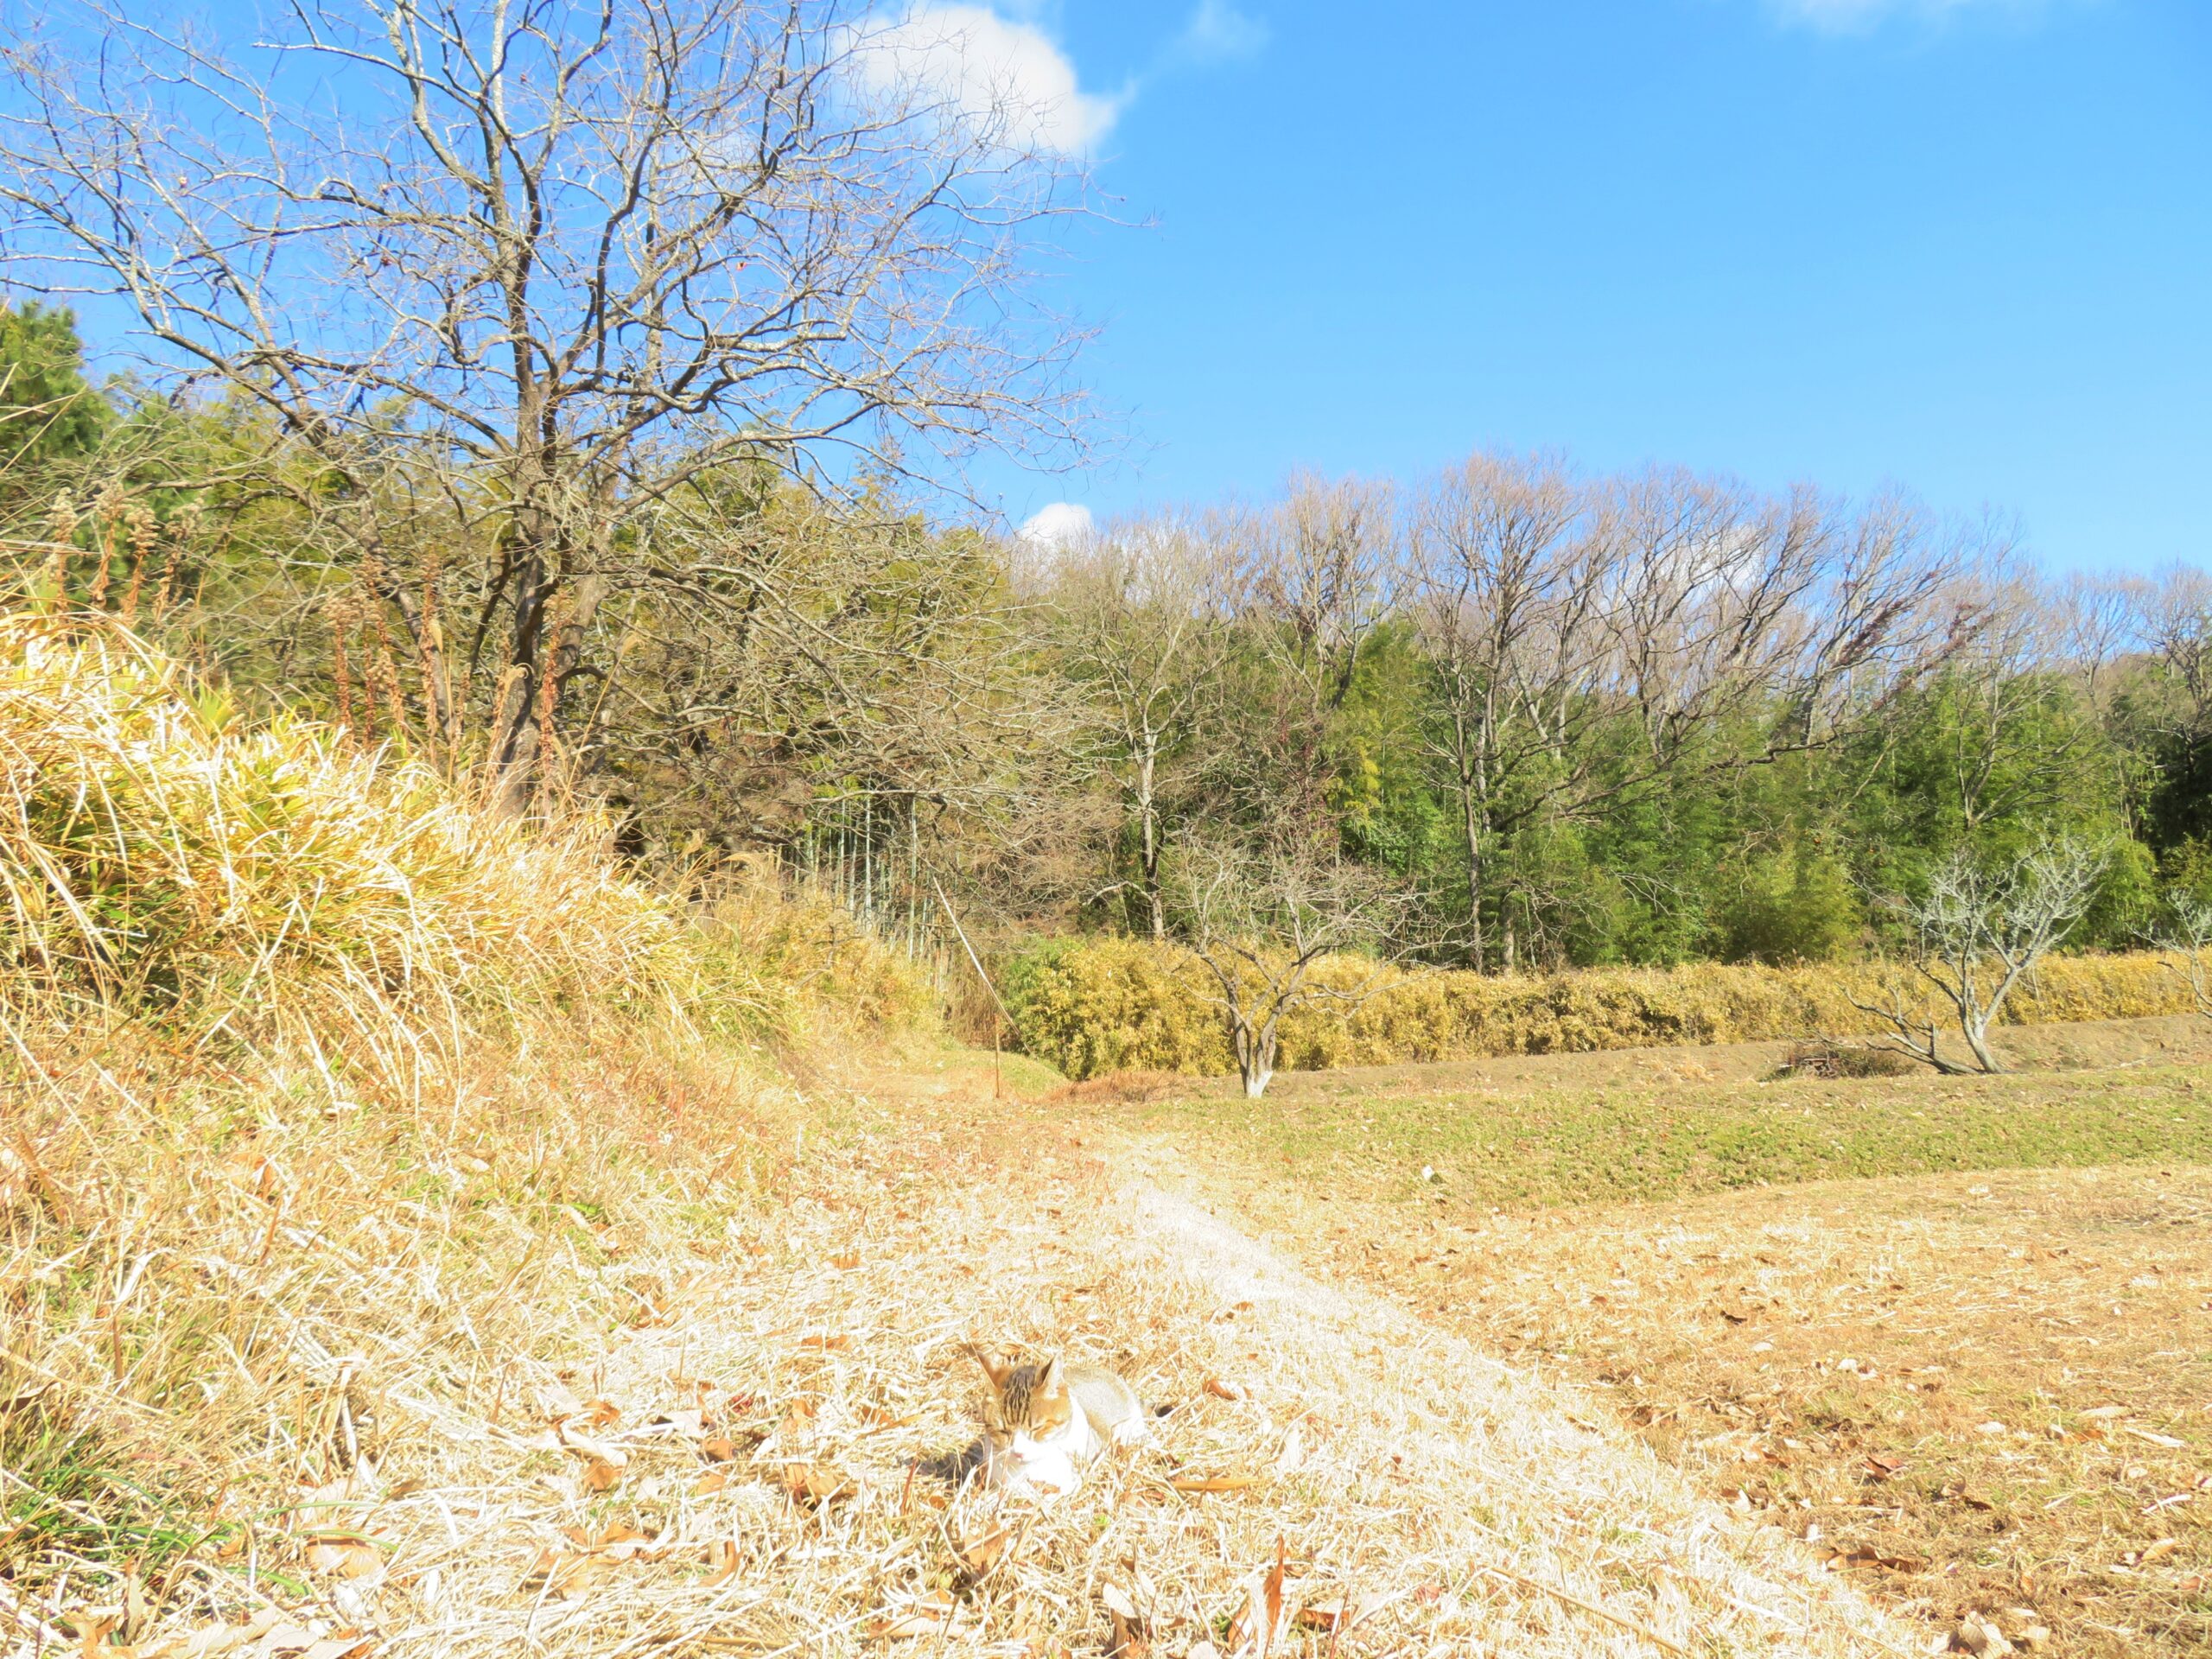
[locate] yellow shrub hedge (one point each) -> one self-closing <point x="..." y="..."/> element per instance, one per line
<point x="1114" y="1004"/>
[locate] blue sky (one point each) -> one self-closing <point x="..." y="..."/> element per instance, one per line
<point x="1962" y="245"/>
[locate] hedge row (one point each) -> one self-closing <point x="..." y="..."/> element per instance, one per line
<point x="1096" y="1005"/>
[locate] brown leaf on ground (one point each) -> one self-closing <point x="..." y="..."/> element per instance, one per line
<point x="1865" y="1556"/>
<point x="1212" y="1482"/>
<point x="723" y="1557"/>
<point x="2150" y="1553"/>
<point x="1338" y="1616"/>
<point x="979" y="1552"/>
<point x="846" y="1261"/>
<point x="1261" y="1625"/>
<point x="345" y="1555"/>
<point x="718" y="1449"/>
<point x="810" y="1483"/>
<point x="931" y="1615"/>
<point x="710" y="1483"/>
<point x="602" y="1414"/>
<point x="1128" y="1638"/>
<point x="1222" y="1388"/>
<point x="601" y="1476"/>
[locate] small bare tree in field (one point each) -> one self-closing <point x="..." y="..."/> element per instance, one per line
<point x="2190" y="938"/>
<point x="1261" y="919"/>
<point x="1977" y="931"/>
<point x="550" y="266"/>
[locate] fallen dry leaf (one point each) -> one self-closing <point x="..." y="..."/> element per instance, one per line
<point x="601" y="1476"/>
<point x="720" y="1449"/>
<point x="345" y="1555"/>
<point x="1864" y="1556"/>
<point x="1212" y="1482"/>
<point x="1128" y="1635"/>
<point x="2150" y="1553"/>
<point x="723" y="1557"/>
<point x="2166" y="1440"/>
<point x="846" y="1262"/>
<point x="1260" y="1626"/>
<point x="1337" y="1617"/>
<point x="602" y="1414"/>
<point x="979" y="1552"/>
<point x="931" y="1615"/>
<point x="1222" y="1388"/>
<point x="809" y="1482"/>
<point x="710" y="1483"/>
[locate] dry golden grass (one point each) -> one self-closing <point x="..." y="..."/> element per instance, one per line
<point x="718" y="1423"/>
<point x="1983" y="1395"/>
<point x="1113" y="1004"/>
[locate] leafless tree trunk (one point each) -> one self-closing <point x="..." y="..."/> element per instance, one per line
<point x="1978" y="931"/>
<point x="2190" y="938"/>
<point x="572" y="260"/>
<point x="1261" y="918"/>
<point x="1506" y="585"/>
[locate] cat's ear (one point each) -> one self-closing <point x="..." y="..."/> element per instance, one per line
<point x="1055" y="1378"/>
<point x="995" y="1363"/>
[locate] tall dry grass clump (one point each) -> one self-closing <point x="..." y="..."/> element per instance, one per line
<point x="1114" y="1004"/>
<point x="162" y="861"/>
<point x="329" y="1105"/>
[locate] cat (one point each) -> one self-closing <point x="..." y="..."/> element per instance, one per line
<point x="1042" y="1423"/>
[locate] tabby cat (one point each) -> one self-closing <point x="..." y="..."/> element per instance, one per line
<point x="1043" y="1423"/>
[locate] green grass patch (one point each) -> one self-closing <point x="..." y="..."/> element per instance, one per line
<point x="1565" y="1146"/>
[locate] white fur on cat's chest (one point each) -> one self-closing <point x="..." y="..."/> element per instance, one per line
<point x="1037" y="1468"/>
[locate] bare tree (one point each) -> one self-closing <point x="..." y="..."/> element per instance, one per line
<point x="568" y="259"/>
<point x="1668" y="604"/>
<point x="797" y="661"/>
<point x="1141" y="627"/>
<point x="1260" y="917"/>
<point x="1977" y="931"/>
<point x="1508" y="586"/>
<point x="1316" y="567"/>
<point x="2190" y="938"/>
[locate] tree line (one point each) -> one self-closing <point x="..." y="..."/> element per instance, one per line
<point x="1515" y="715"/>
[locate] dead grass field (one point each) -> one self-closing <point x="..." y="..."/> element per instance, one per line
<point x="1983" y="1395"/>
<point x="759" y="1456"/>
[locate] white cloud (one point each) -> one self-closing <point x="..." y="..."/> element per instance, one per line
<point x="1856" y="17"/>
<point x="1009" y="78"/>
<point x="1058" y="526"/>
<point x="1217" y="31"/>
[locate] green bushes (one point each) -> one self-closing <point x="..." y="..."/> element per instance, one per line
<point x="1116" y="1004"/>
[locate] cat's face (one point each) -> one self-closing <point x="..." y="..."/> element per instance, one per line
<point x="1028" y="1410"/>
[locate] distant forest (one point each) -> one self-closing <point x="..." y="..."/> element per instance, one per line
<point x="1564" y="719"/>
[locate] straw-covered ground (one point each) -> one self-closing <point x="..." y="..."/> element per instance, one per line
<point x="766" y="1461"/>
